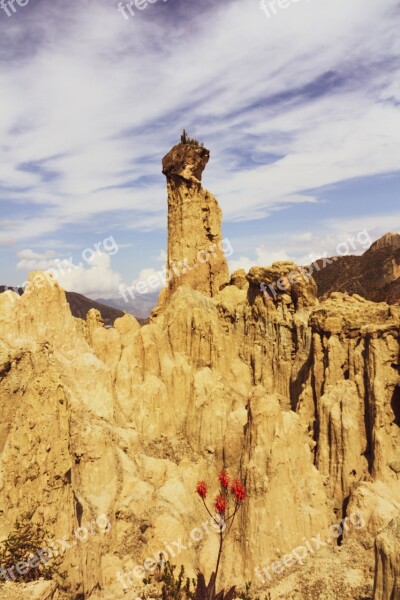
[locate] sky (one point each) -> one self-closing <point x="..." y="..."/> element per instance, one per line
<point x="297" y="100"/>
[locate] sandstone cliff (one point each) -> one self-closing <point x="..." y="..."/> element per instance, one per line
<point x="300" y="398"/>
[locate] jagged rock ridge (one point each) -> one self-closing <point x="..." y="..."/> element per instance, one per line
<point x="299" y="397"/>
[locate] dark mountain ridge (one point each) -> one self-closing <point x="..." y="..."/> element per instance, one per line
<point x="375" y="275"/>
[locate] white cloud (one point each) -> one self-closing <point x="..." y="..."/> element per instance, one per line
<point x="31" y="255"/>
<point x="263" y="258"/>
<point x="34" y="261"/>
<point x="80" y="101"/>
<point x="97" y="279"/>
<point x="35" y="265"/>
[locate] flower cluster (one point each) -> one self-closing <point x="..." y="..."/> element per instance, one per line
<point x="223" y="478"/>
<point x="201" y="489"/>
<point x="220" y="504"/>
<point x="237" y="490"/>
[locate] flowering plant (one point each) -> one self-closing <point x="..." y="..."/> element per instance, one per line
<point x="226" y="505"/>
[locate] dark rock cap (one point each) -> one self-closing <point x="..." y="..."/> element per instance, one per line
<point x="185" y="161"/>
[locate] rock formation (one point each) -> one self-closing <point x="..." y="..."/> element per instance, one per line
<point x="355" y="385"/>
<point x="300" y="398"/>
<point x="195" y="257"/>
<point x="387" y="576"/>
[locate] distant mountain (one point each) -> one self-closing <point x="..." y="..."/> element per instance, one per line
<point x="375" y="275"/>
<point x="80" y="306"/>
<point x="141" y="306"/>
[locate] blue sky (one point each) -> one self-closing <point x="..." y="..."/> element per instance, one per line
<point x="301" y="112"/>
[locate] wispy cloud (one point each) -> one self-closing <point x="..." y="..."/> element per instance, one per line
<point x="287" y="105"/>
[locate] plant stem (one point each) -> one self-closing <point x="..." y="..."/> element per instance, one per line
<point x="233" y="518"/>
<point x="212" y="516"/>
<point x="221" y="541"/>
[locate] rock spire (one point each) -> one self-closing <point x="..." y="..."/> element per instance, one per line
<point x="195" y="249"/>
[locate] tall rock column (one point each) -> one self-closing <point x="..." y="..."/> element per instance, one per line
<point x="387" y="562"/>
<point x="196" y="255"/>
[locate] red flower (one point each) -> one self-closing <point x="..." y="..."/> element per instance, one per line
<point x="224" y="479"/>
<point x="238" y="490"/>
<point x="220" y="504"/>
<point x="201" y="489"/>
